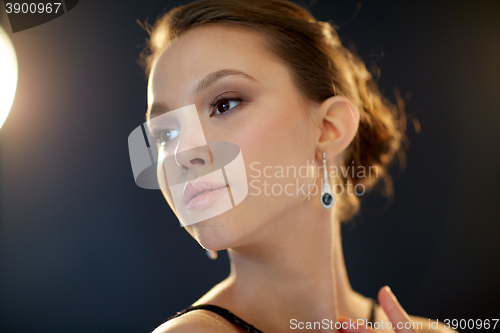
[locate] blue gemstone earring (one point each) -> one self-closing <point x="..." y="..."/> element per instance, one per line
<point x="326" y="198"/>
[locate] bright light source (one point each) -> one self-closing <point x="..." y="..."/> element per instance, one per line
<point x="8" y="75"/>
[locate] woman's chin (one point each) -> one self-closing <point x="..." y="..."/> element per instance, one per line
<point x="217" y="233"/>
<point x="213" y="242"/>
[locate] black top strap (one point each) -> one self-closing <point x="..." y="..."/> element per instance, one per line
<point x="226" y="314"/>
<point x="231" y="317"/>
<point x="372" y="312"/>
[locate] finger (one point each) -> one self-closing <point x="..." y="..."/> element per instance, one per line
<point x="400" y="320"/>
<point x="348" y="325"/>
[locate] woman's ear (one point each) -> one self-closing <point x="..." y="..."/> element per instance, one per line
<point x="339" y="125"/>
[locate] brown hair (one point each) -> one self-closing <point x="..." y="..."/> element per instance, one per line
<point x="321" y="67"/>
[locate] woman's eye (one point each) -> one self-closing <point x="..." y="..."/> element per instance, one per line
<point x="167" y="135"/>
<point x="226" y="105"/>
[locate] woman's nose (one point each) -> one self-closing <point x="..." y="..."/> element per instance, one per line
<point x="195" y="159"/>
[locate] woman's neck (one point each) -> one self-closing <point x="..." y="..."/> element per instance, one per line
<point x="295" y="271"/>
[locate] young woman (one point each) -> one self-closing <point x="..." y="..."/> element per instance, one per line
<point x="268" y="77"/>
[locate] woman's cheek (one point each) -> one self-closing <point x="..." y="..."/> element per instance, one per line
<point x="260" y="141"/>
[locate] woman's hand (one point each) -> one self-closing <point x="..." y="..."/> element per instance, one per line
<point x="401" y="322"/>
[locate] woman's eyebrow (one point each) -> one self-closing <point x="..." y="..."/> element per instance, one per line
<point x="159" y="108"/>
<point x="217" y="75"/>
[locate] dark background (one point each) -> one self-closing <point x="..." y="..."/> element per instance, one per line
<point x="83" y="249"/>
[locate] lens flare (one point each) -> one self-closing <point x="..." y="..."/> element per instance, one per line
<point x="8" y="75"/>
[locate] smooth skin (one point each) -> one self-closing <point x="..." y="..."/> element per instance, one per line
<point x="285" y="250"/>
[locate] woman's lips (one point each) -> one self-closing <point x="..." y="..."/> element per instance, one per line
<point x="201" y="194"/>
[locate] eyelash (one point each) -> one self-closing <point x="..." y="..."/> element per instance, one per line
<point x="157" y="135"/>
<point x="224" y="98"/>
<point x="221" y="98"/>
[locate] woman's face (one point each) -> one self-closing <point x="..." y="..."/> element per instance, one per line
<point x="259" y="109"/>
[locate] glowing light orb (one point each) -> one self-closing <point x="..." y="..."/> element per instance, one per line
<point x="8" y="75"/>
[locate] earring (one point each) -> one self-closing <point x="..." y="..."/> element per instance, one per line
<point x="326" y="198"/>
<point x="212" y="254"/>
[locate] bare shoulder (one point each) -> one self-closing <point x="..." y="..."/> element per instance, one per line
<point x="196" y="321"/>
<point x="426" y="325"/>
